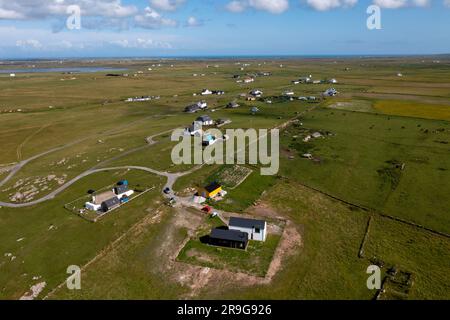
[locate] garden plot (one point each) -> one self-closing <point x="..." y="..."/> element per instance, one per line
<point x="231" y="176"/>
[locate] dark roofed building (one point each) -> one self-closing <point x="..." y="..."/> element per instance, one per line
<point x="205" y="120"/>
<point x="121" y="189"/>
<point x="228" y="238"/>
<point x="192" y="108"/>
<point x="110" y="204"/>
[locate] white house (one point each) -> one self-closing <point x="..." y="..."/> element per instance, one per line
<point x="305" y="79"/>
<point x="330" y="92"/>
<point x="288" y="93"/>
<point x="332" y="81"/>
<point x="249" y="80"/>
<point x="256" y="229"/>
<point x="206" y="92"/>
<point x="205" y="120"/>
<point x="12" y="75"/>
<point x="256" y="93"/>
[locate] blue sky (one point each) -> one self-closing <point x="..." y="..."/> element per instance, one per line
<point x="113" y="28"/>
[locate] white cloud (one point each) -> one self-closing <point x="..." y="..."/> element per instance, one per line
<point x="324" y="5"/>
<point x="151" y="19"/>
<point x="447" y="3"/>
<point x="272" y="6"/>
<point x="31" y="43"/>
<point x="10" y="14"/>
<point x="166" y="5"/>
<point x="141" y="43"/>
<point x="38" y="9"/>
<point x="396" y="4"/>
<point x="193" y="22"/>
<point x="237" y="6"/>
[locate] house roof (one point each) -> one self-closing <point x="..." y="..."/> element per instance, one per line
<point x="100" y="198"/>
<point x="212" y="186"/>
<point x="121" y="189"/>
<point x="192" y="107"/>
<point x="110" y="203"/>
<point x="246" y="223"/>
<point x="232" y="235"/>
<point x="204" y="118"/>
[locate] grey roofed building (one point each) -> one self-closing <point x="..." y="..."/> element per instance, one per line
<point x="228" y="238"/>
<point x="246" y="223"/>
<point x="233" y="235"/>
<point x="233" y="105"/>
<point x="110" y="204"/>
<point x="121" y="189"/>
<point x="192" y="108"/>
<point x="204" y="118"/>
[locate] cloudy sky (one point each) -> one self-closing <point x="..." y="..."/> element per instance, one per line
<point x="38" y="28"/>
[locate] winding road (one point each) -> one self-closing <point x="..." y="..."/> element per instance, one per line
<point x="171" y="177"/>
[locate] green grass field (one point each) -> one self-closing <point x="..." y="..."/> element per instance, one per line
<point x="385" y="147"/>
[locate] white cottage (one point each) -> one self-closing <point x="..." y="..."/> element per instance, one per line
<point x="256" y="229"/>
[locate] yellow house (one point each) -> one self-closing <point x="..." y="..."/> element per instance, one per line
<point x="210" y="191"/>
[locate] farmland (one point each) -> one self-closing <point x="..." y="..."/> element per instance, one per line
<point x="382" y="154"/>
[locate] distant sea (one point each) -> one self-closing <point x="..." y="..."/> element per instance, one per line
<point x="61" y="70"/>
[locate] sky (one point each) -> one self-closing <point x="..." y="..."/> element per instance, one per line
<point x="150" y="28"/>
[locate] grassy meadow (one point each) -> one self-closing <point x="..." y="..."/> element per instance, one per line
<point x="384" y="146"/>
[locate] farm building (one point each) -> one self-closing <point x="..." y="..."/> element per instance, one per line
<point x="233" y="105"/>
<point x="110" y="204"/>
<point x="206" y="92"/>
<point x="201" y="105"/>
<point x="288" y="93"/>
<point x="228" y="238"/>
<point x="254" y="110"/>
<point x="210" y="191"/>
<point x="205" y="120"/>
<point x="256" y="229"/>
<point x="110" y="199"/>
<point x="256" y="93"/>
<point x="330" y="92"/>
<point x="305" y="79"/>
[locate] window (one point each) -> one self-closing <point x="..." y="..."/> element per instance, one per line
<point x="257" y="230"/>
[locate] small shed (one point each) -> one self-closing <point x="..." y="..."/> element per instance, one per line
<point x="210" y="191"/>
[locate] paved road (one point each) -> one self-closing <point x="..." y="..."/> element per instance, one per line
<point x="171" y="177"/>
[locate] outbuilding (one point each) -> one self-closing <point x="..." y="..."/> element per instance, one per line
<point x="210" y="191"/>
